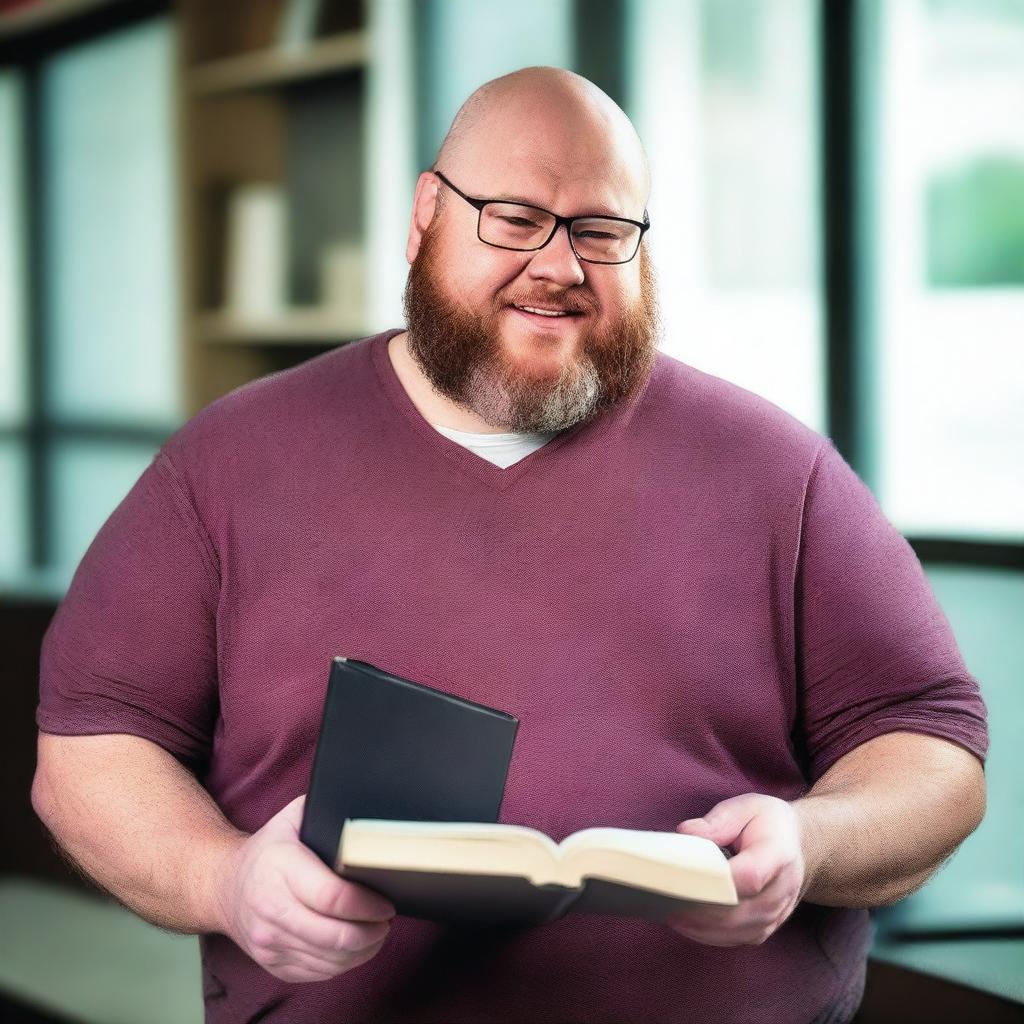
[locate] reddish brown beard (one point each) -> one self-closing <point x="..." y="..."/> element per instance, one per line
<point x="463" y="356"/>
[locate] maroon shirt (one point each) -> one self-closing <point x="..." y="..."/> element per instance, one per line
<point x="689" y="598"/>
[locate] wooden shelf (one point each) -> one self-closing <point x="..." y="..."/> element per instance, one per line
<point x="258" y="112"/>
<point x="40" y="16"/>
<point x="295" y="327"/>
<point x="265" y="69"/>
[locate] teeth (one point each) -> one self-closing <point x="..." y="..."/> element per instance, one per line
<point x="543" y="312"/>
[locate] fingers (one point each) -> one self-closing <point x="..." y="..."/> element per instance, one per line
<point x="297" y="944"/>
<point x="344" y="943"/>
<point x="317" y="932"/>
<point x="724" y="936"/>
<point x="298" y="965"/>
<point x="754" y="868"/>
<point x="315" y="884"/>
<point x="750" y="923"/>
<point x="317" y="887"/>
<point x="725" y="821"/>
<point x="292" y="914"/>
<point x="767" y="870"/>
<point x="292" y="813"/>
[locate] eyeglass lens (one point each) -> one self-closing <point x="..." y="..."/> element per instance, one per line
<point x="514" y="226"/>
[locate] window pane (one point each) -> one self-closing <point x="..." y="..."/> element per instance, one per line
<point x="12" y="254"/>
<point x="391" y="168"/>
<point x="14" y="537"/>
<point x="726" y="103"/>
<point x="111" y="281"/>
<point x="469" y="43"/>
<point x="949" y="263"/>
<point x="983" y="886"/>
<point x="88" y="479"/>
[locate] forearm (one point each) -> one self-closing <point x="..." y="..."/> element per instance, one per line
<point x="878" y="824"/>
<point x="136" y="822"/>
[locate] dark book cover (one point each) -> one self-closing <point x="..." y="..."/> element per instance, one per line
<point x="394" y="749"/>
<point x="510" y="900"/>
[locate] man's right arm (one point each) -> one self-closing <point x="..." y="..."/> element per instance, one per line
<point x="132" y="818"/>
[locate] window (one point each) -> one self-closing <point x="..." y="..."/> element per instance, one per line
<point x="89" y="365"/>
<point x="464" y="44"/>
<point x="13" y="464"/>
<point x="925" y="300"/>
<point x="942" y="161"/>
<point x="108" y="211"/>
<point x="946" y="165"/>
<point x="735" y="229"/>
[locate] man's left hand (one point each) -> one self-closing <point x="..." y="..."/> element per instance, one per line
<point x="768" y="870"/>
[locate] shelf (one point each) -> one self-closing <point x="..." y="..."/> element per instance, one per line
<point x="295" y="327"/>
<point x="40" y="16"/>
<point x="265" y="69"/>
<point x="299" y="115"/>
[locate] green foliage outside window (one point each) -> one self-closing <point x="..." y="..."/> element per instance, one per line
<point x="975" y="225"/>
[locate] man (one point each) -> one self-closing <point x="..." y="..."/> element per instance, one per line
<point x="694" y="607"/>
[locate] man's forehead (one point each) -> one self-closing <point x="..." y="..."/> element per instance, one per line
<point x="565" y="186"/>
<point x="548" y="137"/>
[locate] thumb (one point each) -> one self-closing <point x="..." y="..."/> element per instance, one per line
<point x="723" y="823"/>
<point x="292" y="812"/>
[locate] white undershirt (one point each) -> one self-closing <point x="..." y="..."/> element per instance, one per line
<point x="501" y="449"/>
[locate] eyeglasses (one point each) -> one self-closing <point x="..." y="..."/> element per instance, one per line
<point x="525" y="228"/>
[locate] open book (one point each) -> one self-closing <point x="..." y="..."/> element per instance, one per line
<point x="498" y="874"/>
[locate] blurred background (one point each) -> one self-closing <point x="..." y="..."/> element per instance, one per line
<point x="196" y="194"/>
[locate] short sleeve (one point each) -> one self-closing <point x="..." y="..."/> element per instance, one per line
<point x="133" y="647"/>
<point x="875" y="653"/>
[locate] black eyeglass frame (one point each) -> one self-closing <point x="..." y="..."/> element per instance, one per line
<point x="479" y="204"/>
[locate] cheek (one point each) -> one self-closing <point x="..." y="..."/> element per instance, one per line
<point x="470" y="275"/>
<point x="502" y="278"/>
<point x="483" y="270"/>
<point x="616" y="297"/>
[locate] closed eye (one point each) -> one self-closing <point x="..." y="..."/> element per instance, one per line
<point x="520" y="222"/>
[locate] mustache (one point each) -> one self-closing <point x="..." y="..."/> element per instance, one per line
<point x="569" y="301"/>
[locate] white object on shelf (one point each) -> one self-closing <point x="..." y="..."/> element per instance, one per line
<point x="343" y="279"/>
<point x="298" y="24"/>
<point x="257" y="233"/>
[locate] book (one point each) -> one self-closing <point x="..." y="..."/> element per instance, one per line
<point x="502" y="874"/>
<point x="393" y="748"/>
<point x="404" y="797"/>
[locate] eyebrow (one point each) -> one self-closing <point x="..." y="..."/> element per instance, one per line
<point x="506" y="198"/>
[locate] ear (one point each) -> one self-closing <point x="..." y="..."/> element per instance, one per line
<point x="423" y="206"/>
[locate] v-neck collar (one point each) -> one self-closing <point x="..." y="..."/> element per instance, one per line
<point x="451" y="451"/>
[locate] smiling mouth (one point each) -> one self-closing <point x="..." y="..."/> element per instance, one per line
<point x="546" y="313"/>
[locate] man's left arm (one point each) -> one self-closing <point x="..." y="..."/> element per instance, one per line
<point x="870" y="831"/>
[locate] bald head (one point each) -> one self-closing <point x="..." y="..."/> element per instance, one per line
<point x="550" y="120"/>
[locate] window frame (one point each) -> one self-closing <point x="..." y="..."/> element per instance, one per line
<point x="847" y="105"/>
<point x="24" y="48"/>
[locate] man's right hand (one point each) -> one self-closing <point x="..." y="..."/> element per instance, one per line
<point x="293" y="915"/>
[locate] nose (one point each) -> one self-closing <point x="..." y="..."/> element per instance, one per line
<point x="556" y="261"/>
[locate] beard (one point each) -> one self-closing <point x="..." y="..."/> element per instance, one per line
<point x="463" y="355"/>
